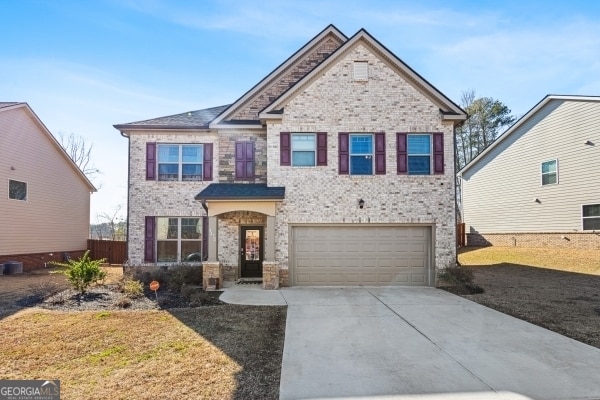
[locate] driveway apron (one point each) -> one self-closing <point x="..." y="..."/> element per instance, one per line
<point x="388" y="343"/>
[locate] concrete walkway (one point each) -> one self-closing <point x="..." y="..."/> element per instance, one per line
<point x="420" y="343"/>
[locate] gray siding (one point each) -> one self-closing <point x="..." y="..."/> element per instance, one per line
<point x="499" y="192"/>
<point x="56" y="215"/>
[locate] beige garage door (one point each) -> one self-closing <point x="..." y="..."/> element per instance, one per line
<point x="360" y="255"/>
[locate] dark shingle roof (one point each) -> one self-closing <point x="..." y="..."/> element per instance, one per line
<point x="198" y="119"/>
<point x="240" y="191"/>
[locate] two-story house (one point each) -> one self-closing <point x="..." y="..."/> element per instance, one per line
<point x="335" y="169"/>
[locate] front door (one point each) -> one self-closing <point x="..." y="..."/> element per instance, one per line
<point x="251" y="251"/>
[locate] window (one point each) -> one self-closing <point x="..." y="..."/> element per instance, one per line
<point x="419" y="154"/>
<point x="178" y="239"/>
<point x="361" y="154"/>
<point x="591" y="217"/>
<point x="17" y="190"/>
<point x="549" y="172"/>
<point x="180" y="162"/>
<point x="303" y="150"/>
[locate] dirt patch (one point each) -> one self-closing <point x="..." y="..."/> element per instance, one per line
<point x="567" y="302"/>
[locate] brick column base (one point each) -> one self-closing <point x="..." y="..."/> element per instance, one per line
<point x="270" y="275"/>
<point x="212" y="275"/>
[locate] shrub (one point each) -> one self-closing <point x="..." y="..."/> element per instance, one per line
<point x="83" y="272"/>
<point x="131" y="288"/>
<point x="181" y="275"/>
<point x="457" y="276"/>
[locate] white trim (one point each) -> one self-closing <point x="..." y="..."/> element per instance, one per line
<point x="314" y="150"/>
<point x="582" y="217"/>
<point x="372" y="155"/>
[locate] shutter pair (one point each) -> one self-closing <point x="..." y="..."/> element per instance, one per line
<point x="151" y="161"/>
<point x="150" y="239"/>
<point x="285" y="149"/>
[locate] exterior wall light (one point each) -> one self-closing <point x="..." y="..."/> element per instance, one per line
<point x="361" y="203"/>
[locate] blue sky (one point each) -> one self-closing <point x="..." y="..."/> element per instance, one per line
<point x="84" y="66"/>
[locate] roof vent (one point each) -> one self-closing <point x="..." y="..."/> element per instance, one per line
<point x="361" y="71"/>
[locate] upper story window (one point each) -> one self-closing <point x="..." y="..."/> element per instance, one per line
<point x="17" y="190"/>
<point x="591" y="217"/>
<point x="361" y="154"/>
<point x="549" y="172"/>
<point x="419" y="154"/>
<point x="303" y="150"/>
<point x="180" y="162"/>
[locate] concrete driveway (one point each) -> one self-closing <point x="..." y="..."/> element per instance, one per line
<point x="424" y="343"/>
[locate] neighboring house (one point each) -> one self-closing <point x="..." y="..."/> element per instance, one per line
<point x="45" y="205"/>
<point x="534" y="186"/>
<point x="335" y="169"/>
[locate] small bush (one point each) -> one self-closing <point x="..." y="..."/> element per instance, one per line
<point x="82" y="272"/>
<point x="179" y="276"/>
<point x="131" y="288"/>
<point x="457" y="276"/>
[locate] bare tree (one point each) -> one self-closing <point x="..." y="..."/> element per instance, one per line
<point x="115" y="223"/>
<point x="79" y="151"/>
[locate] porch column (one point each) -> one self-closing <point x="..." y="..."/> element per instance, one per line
<point x="270" y="239"/>
<point x="213" y="233"/>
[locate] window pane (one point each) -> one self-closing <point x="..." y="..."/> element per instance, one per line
<point x="361" y="165"/>
<point x="592" y="210"/>
<point x="191" y="228"/>
<point x="168" y="172"/>
<point x="303" y="158"/>
<point x="168" y="153"/>
<point x="303" y="142"/>
<point x="191" y="172"/>
<point x="549" y="166"/>
<point x="17" y="190"/>
<point x="419" y="165"/>
<point x="361" y="144"/>
<point x="548" y="179"/>
<point x="419" y="144"/>
<point x="591" y="224"/>
<point x="192" y="154"/>
<point x="191" y="250"/>
<point x="166" y="228"/>
<point x="166" y="251"/>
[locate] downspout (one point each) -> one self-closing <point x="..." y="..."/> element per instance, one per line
<point x="203" y="202"/>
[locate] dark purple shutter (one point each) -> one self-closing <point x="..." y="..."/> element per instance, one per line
<point x="401" y="155"/>
<point x="344" y="154"/>
<point x="244" y="160"/>
<point x="284" y="149"/>
<point x="150" y="161"/>
<point x="438" y="153"/>
<point x="321" y="148"/>
<point x="204" y="238"/>
<point x="149" y="236"/>
<point x="207" y="173"/>
<point x="380" y="153"/>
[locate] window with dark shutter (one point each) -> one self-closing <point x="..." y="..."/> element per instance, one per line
<point x="207" y="174"/>
<point x="438" y="153"/>
<point x="343" y="154"/>
<point x="149" y="236"/>
<point x="244" y="160"/>
<point x="321" y="148"/>
<point x="284" y="149"/>
<point x="150" y="161"/>
<point x="401" y="154"/>
<point x="380" y="153"/>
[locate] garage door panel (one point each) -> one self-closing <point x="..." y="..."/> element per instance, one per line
<point x="360" y="255"/>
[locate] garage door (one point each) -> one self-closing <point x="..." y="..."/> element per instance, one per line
<point x="360" y="255"/>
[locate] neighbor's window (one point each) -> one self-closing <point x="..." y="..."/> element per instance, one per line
<point x="180" y="162"/>
<point x="549" y="172"/>
<point x="361" y="154"/>
<point x="303" y="150"/>
<point x="17" y="190"/>
<point x="591" y="217"/>
<point x="419" y="154"/>
<point x="178" y="239"/>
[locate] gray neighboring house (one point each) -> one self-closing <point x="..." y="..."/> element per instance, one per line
<point x="534" y="186"/>
<point x="335" y="169"/>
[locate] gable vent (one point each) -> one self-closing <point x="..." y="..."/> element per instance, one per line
<point x="361" y="71"/>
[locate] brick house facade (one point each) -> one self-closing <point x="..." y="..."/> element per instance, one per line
<point x="336" y="169"/>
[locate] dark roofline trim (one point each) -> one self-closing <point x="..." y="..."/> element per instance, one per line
<point x="126" y="127"/>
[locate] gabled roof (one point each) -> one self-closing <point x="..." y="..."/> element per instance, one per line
<point x="541" y="104"/>
<point x="277" y="78"/>
<point x="449" y="109"/>
<point x="241" y="191"/>
<point x="6" y="106"/>
<point x="199" y="119"/>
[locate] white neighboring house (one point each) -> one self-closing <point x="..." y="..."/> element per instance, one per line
<point x="45" y="198"/>
<point x="537" y="184"/>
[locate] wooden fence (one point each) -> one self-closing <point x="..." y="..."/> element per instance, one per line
<point x="461" y="237"/>
<point x="115" y="251"/>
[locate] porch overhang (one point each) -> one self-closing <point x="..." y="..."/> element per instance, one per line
<point x="219" y="198"/>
